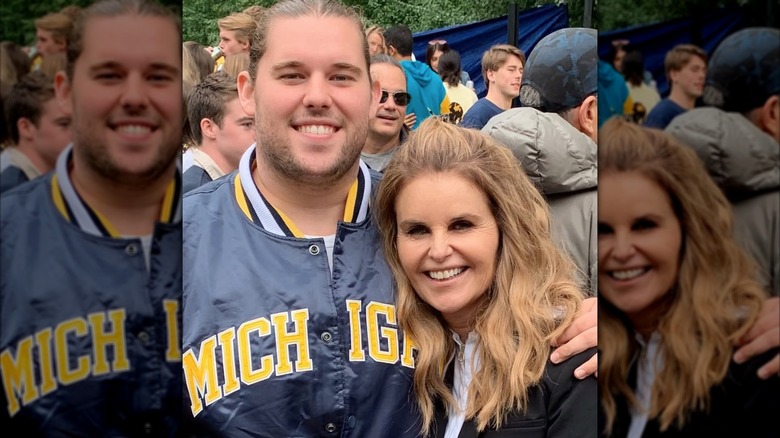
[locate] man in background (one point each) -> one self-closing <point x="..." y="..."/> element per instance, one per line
<point x="502" y="69"/>
<point x="686" y="68"/>
<point x="386" y="129"/>
<point x="39" y="130"/>
<point x="429" y="97"/>
<point x="222" y="131"/>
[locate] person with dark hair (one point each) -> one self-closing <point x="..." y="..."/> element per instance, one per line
<point x="221" y="130"/>
<point x="676" y="293"/>
<point x="461" y="97"/>
<point x="436" y="49"/>
<point x="39" y="130"/>
<point x="429" y="98"/>
<point x="90" y="253"/>
<point x="644" y="96"/>
<point x="14" y="64"/>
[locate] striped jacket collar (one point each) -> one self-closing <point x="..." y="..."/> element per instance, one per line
<point x="70" y="204"/>
<point x="257" y="208"/>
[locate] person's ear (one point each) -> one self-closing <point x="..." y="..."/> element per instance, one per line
<point x="246" y="93"/>
<point x="588" y="117"/>
<point x="26" y="129"/>
<point x="62" y="90"/>
<point x="769" y="117"/>
<point x="208" y="128"/>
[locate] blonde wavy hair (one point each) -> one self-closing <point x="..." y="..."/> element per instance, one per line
<point x="716" y="297"/>
<point x="533" y="296"/>
<point x="379" y="31"/>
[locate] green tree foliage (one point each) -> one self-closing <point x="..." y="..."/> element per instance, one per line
<point x="17" y="16"/>
<point x="616" y="14"/>
<point x="200" y="16"/>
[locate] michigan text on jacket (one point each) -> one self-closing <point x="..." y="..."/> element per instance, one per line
<point x="200" y="368"/>
<point x="22" y="384"/>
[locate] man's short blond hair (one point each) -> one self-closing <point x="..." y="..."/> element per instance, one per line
<point x="681" y="55"/>
<point x="497" y="55"/>
<point x="241" y="23"/>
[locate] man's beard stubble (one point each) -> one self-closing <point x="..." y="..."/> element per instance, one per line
<point x="96" y="156"/>
<point x="277" y="155"/>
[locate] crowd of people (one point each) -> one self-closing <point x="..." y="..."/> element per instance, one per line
<point x="324" y="236"/>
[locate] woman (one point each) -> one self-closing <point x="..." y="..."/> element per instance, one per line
<point x="643" y="95"/>
<point x="196" y="62"/>
<point x="675" y="295"/>
<point x="482" y="289"/>
<point x="461" y="97"/>
<point x="376" y="40"/>
<point x="437" y="49"/>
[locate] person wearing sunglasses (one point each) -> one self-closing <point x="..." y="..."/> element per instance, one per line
<point x="429" y="98"/>
<point x="386" y="127"/>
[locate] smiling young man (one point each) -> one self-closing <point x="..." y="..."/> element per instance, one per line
<point x="289" y="318"/>
<point x="91" y="253"/>
<point x="502" y="68"/>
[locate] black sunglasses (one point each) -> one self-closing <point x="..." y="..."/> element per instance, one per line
<point x="401" y="98"/>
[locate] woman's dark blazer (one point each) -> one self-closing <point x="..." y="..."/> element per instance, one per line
<point x="741" y="406"/>
<point x="560" y="406"/>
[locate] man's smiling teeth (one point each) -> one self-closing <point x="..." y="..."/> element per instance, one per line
<point x="443" y="275"/>
<point x="316" y="129"/>
<point x="628" y="274"/>
<point x="134" y="129"/>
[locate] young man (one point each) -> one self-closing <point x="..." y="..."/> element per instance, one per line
<point x="91" y="253"/>
<point x="51" y="33"/>
<point x="429" y="97"/>
<point x="686" y="68"/>
<point x="502" y="69"/>
<point x="38" y="127"/>
<point x="235" y="34"/>
<point x="220" y="127"/>
<point x="738" y="139"/>
<point x="289" y="322"/>
<point x="386" y="129"/>
<point x="554" y="137"/>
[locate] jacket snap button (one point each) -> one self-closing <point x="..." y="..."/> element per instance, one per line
<point x="330" y="428"/>
<point x="314" y="250"/>
<point x="131" y="249"/>
<point x="326" y="337"/>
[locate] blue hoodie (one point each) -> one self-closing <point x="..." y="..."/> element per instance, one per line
<point x="428" y="94"/>
<point x="613" y="93"/>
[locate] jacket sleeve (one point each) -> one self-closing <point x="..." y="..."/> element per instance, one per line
<point x="572" y="403"/>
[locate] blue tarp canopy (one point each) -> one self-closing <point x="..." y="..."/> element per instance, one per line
<point x="706" y="30"/>
<point x="473" y="39"/>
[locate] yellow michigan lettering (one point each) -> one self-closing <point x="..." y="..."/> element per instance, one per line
<point x="373" y="310"/>
<point x="298" y="339"/>
<point x="18" y="375"/>
<point x="200" y="374"/>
